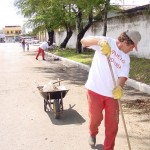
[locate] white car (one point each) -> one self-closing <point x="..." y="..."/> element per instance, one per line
<point x="28" y="41"/>
<point x="35" y="41"/>
<point x="32" y="41"/>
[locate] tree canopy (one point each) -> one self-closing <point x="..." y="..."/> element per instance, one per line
<point x="52" y="15"/>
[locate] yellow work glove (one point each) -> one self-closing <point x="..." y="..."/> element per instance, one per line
<point x="117" y="92"/>
<point x="106" y="50"/>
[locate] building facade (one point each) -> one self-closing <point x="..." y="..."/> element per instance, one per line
<point x="12" y="33"/>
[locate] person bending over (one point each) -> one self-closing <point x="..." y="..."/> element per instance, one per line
<point x="42" y="48"/>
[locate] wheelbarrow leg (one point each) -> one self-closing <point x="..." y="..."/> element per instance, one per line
<point x="45" y="105"/>
<point x="61" y="102"/>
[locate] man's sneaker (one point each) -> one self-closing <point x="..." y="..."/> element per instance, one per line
<point x="92" y="141"/>
<point x="44" y="59"/>
<point x="36" y="58"/>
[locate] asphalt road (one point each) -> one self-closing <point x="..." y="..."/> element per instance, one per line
<point x="26" y="126"/>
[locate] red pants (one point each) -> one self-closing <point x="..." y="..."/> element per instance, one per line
<point x="40" y="51"/>
<point x="96" y="104"/>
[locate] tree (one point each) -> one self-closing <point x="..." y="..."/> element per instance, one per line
<point x="68" y="23"/>
<point x="85" y="17"/>
<point x="106" y="8"/>
<point x="39" y="14"/>
<point x="52" y="14"/>
<point x="49" y="15"/>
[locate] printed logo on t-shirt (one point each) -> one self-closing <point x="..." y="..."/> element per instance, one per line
<point x="119" y="57"/>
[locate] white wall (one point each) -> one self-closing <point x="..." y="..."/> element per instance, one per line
<point x="117" y="25"/>
<point x="60" y="36"/>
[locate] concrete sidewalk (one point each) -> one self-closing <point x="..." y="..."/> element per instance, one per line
<point x="26" y="126"/>
<point x="130" y="82"/>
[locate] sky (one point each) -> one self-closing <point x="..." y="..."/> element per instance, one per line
<point x="9" y="15"/>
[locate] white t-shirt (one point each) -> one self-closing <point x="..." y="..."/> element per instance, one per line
<point x="44" y="46"/>
<point x="100" y="80"/>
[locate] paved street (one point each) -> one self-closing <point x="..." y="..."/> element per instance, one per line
<point x="26" y="126"/>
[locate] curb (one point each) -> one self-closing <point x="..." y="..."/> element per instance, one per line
<point x="130" y="82"/>
<point x="138" y="85"/>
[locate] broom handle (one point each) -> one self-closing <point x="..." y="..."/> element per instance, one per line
<point x="122" y="115"/>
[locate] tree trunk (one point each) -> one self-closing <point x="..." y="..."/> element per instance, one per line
<point x="51" y="36"/>
<point x="82" y="30"/>
<point x="78" y="44"/>
<point x="68" y="36"/>
<point x="105" y="16"/>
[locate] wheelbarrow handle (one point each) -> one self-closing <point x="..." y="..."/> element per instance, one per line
<point x="58" y="81"/>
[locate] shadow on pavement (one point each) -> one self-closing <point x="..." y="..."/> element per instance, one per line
<point x="73" y="74"/>
<point x="136" y="102"/>
<point x="69" y="116"/>
<point x="133" y="92"/>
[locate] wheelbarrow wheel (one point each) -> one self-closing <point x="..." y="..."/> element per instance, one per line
<point x="56" y="108"/>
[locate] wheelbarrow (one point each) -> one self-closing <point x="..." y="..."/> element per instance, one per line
<point x="53" y="100"/>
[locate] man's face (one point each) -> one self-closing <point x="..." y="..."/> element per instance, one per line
<point x="125" y="47"/>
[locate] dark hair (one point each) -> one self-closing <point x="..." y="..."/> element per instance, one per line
<point x="123" y="37"/>
<point x="49" y="43"/>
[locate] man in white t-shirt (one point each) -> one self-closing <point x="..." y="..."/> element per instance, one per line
<point x="101" y="93"/>
<point x="42" y="48"/>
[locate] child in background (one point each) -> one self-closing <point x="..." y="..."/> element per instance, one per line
<point x="27" y="44"/>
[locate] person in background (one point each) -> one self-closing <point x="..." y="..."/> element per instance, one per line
<point x="27" y="45"/>
<point x="42" y="48"/>
<point x="23" y="44"/>
<point x="101" y="93"/>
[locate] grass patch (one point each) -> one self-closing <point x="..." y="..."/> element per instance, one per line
<point x="139" y="69"/>
<point x="85" y="57"/>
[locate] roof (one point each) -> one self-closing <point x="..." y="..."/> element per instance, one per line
<point x="125" y="10"/>
<point x="13" y="26"/>
<point x="135" y="9"/>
